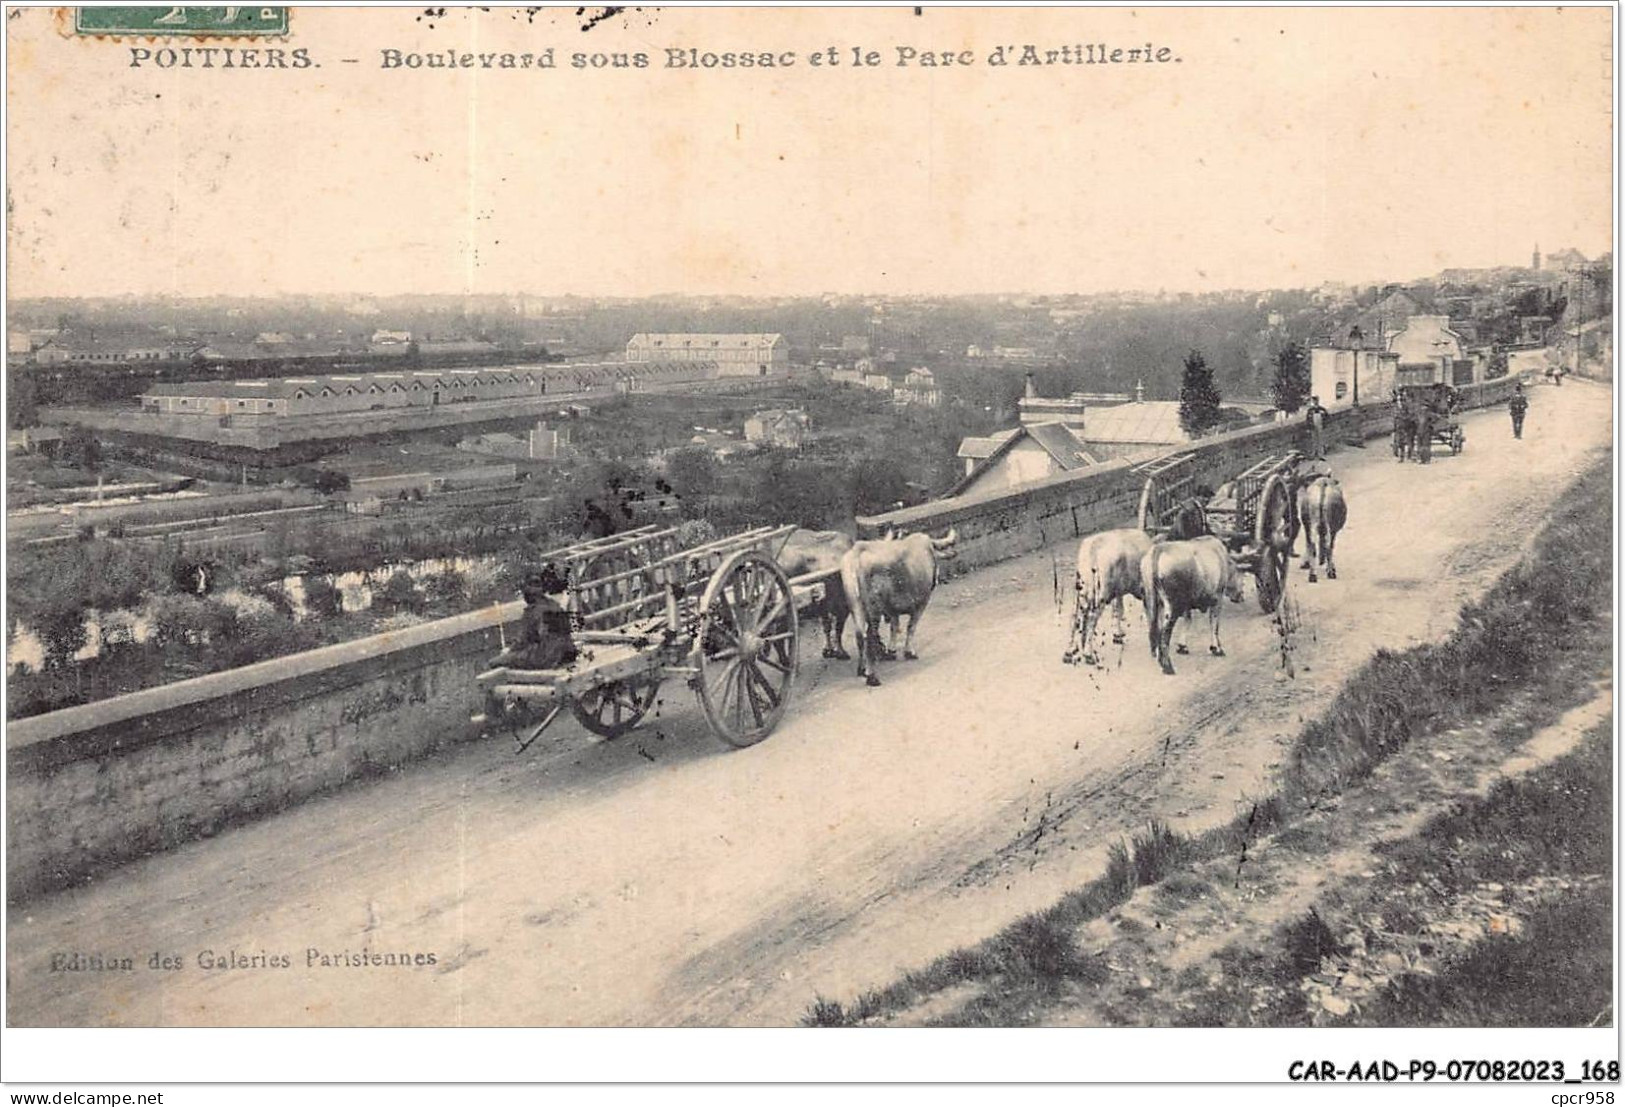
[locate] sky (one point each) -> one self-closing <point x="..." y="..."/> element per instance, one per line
<point x="1284" y="148"/>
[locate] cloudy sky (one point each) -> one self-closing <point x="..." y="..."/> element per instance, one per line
<point x="1283" y="148"/>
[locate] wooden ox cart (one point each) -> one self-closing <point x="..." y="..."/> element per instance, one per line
<point x="1254" y="514"/>
<point x="722" y="616"/>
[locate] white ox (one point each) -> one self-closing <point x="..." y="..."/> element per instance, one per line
<point x="1323" y="511"/>
<point x="1108" y="570"/>
<point x="816" y="551"/>
<point x="889" y="578"/>
<point x="1181" y="577"/>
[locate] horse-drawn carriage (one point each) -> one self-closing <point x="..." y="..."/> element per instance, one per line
<point x="1253" y="514"/>
<point x="1426" y="415"/>
<point x="721" y="615"/>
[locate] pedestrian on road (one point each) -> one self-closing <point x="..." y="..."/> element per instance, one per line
<point x="1518" y="405"/>
<point x="1317" y="428"/>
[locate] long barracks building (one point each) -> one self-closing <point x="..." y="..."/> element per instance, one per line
<point x="269" y="414"/>
<point x="366" y="392"/>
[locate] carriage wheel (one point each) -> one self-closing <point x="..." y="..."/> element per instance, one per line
<point x="748" y="648"/>
<point x="1272" y="540"/>
<point x="611" y="710"/>
<point x="1145" y="505"/>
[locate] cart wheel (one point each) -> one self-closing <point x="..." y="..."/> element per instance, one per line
<point x="611" y="710"/>
<point x="1270" y="576"/>
<point x="748" y="648"/>
<point x="1272" y="540"/>
<point x="1145" y="505"/>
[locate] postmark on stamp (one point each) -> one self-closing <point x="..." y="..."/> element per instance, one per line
<point x="164" y="19"/>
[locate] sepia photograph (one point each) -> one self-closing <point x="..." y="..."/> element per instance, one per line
<point x="812" y="517"/>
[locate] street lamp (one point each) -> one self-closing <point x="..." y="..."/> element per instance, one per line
<point x="1356" y="340"/>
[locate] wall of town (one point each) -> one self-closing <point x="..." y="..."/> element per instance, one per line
<point x="94" y="786"/>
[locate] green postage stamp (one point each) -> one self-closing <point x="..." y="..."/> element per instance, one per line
<point x="164" y="19"/>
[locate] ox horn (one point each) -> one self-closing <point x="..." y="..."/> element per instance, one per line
<point x="947" y="540"/>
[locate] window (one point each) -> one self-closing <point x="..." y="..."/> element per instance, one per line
<point x="1342" y="389"/>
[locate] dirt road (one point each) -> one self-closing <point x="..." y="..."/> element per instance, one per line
<point x="660" y="880"/>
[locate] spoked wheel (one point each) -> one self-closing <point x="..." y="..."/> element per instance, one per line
<point x="1271" y="577"/>
<point x="1145" y="505"/>
<point x="611" y="710"/>
<point x="1272" y="541"/>
<point x="748" y="648"/>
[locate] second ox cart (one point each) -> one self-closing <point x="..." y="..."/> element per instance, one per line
<point x="1254" y="514"/>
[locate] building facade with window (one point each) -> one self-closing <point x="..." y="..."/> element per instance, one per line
<point x="734" y="355"/>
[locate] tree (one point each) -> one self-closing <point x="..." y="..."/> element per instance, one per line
<point x="1291" y="384"/>
<point x="693" y="473"/>
<point x="328" y="481"/>
<point x="80" y="449"/>
<point x="1198" y="398"/>
<point x="878" y="485"/>
<point x="22" y="408"/>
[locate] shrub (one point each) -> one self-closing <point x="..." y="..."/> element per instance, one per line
<point x="448" y="587"/>
<point x="322" y="598"/>
<point x="178" y="621"/>
<point x="63" y="634"/>
<point x="397" y="594"/>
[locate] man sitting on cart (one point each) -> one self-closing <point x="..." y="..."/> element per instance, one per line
<point x="544" y="636"/>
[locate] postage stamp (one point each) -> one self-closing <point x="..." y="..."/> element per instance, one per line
<point x="165" y="19"/>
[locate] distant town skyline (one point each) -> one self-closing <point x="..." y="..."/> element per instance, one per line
<point x="1286" y="149"/>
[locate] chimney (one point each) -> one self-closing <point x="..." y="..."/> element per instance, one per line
<point x="1032" y="389"/>
<point x="1139" y="391"/>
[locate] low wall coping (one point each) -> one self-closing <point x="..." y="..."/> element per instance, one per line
<point x="937" y="511"/>
<point x="22" y="734"/>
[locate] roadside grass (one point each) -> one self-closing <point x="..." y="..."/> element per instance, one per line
<point x="1544" y="627"/>
<point x="1558" y="972"/>
<point x="1551" y="828"/>
<point x="1555" y="823"/>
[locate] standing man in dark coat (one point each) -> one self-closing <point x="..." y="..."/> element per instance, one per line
<point x="1518" y="405"/>
<point x="1317" y="428"/>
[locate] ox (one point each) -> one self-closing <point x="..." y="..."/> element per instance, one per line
<point x="1324" y="511"/>
<point x="818" y="551"/>
<point x="890" y="578"/>
<point x="1179" y="578"/>
<point x="1108" y="570"/>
